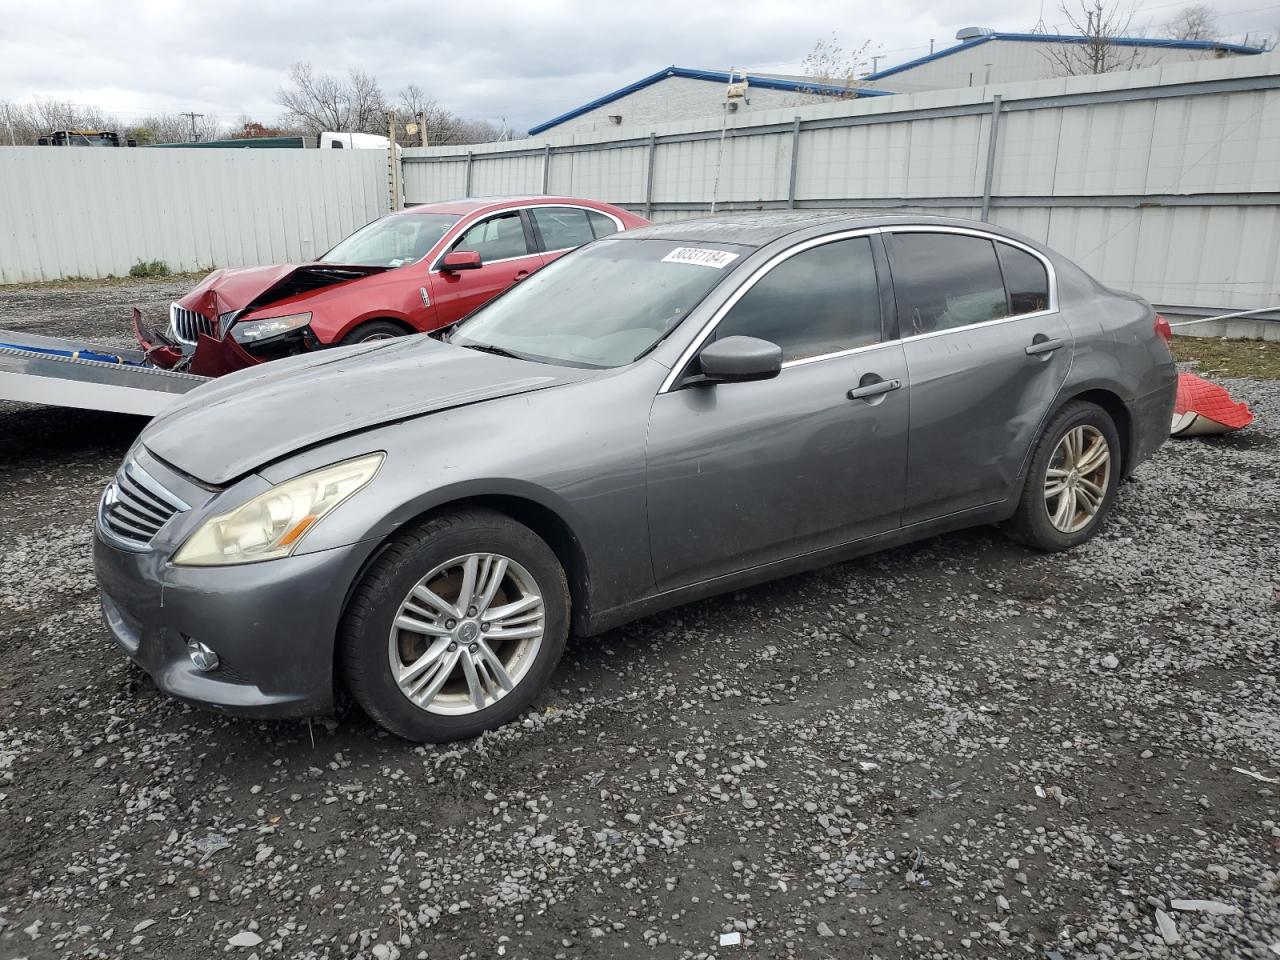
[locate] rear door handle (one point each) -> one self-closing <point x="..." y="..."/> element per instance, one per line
<point x="520" y="276"/>
<point x="874" y="389"/>
<point x="1037" y="347"/>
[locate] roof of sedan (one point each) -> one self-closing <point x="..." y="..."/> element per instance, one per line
<point x="472" y="204"/>
<point x="757" y="229"/>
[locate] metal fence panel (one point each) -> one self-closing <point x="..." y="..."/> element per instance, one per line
<point x="1165" y="181"/>
<point x="68" y="212"/>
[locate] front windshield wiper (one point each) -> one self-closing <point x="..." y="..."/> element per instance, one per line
<point x="489" y="348"/>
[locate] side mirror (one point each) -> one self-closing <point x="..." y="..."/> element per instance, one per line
<point x="461" y="260"/>
<point x="735" y="359"/>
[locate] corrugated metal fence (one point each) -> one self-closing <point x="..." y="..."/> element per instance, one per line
<point x="67" y="212"/>
<point x="1165" y="181"/>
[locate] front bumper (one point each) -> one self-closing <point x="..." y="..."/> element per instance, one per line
<point x="272" y="624"/>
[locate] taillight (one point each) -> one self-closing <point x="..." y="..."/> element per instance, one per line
<point x="1163" y="329"/>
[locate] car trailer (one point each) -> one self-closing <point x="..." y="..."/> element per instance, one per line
<point x="89" y="376"/>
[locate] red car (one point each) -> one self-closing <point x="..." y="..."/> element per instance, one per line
<point x="411" y="271"/>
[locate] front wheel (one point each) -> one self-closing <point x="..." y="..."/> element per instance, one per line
<point x="372" y="331"/>
<point x="1071" y="482"/>
<point x="456" y="627"/>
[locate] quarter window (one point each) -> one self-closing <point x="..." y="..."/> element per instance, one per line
<point x="1025" y="278"/>
<point x="497" y="238"/>
<point x="601" y="225"/>
<point x="562" y="227"/>
<point x="946" y="280"/>
<point x="823" y="300"/>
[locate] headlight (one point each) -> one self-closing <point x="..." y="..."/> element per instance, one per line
<point x="272" y="523"/>
<point x="254" y="330"/>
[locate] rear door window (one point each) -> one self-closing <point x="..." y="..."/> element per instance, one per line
<point x="562" y="228"/>
<point x="1025" y="278"/>
<point x="822" y="300"/>
<point x="943" y="281"/>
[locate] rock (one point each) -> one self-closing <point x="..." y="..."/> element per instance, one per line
<point x="1110" y="661"/>
<point x="245" y="938"/>
<point x="825" y="931"/>
<point x="1204" y="906"/>
<point x="1167" y="928"/>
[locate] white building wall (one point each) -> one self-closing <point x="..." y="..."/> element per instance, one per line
<point x="1012" y="61"/>
<point x="677" y="98"/>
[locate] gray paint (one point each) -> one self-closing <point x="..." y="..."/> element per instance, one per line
<point x="667" y="492"/>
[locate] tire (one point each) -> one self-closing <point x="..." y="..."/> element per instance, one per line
<point x="373" y="330"/>
<point x="372" y="645"/>
<point x="1040" y="518"/>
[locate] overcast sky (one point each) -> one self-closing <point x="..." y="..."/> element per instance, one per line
<point x="518" y="61"/>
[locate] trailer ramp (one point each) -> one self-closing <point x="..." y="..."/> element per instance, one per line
<point x="89" y="376"/>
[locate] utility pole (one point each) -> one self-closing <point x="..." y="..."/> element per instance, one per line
<point x="875" y="62"/>
<point x="394" y="197"/>
<point x="422" y="128"/>
<point x="191" y="115"/>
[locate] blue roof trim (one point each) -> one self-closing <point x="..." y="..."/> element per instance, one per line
<point x="1060" y="38"/>
<point x="714" y="76"/>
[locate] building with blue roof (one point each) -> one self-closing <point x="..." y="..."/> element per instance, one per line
<point x="992" y="56"/>
<point x="982" y="57"/>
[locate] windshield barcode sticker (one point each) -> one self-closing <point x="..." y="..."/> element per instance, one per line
<point x="700" y="257"/>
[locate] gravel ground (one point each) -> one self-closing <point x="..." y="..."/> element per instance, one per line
<point x="955" y="749"/>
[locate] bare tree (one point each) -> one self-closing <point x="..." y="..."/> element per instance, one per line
<point x="443" y="126"/>
<point x="830" y="64"/>
<point x="1195" y="22"/>
<point x="319" y="102"/>
<point x="23" y="124"/>
<point x="1097" y="24"/>
<point x="174" y="128"/>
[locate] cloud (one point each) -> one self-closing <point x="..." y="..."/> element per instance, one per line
<point x="488" y="59"/>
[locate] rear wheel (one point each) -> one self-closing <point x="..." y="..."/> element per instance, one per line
<point x="1071" y="482"/>
<point x="373" y="330"/>
<point x="456" y="627"/>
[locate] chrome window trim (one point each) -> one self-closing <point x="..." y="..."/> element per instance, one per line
<point x="435" y="267"/>
<point x="865" y="348"/>
<point x="708" y="328"/>
<point x="1050" y="274"/>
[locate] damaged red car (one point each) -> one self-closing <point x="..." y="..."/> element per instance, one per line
<point x="408" y="272"/>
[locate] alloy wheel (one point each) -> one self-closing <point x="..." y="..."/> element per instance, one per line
<point x="1078" y="477"/>
<point x="467" y="634"/>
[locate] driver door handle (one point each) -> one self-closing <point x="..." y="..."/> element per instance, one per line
<point x="1037" y="347"/>
<point x="520" y="276"/>
<point x="874" y="389"/>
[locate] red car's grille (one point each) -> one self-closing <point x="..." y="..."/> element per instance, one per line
<point x="187" y="325"/>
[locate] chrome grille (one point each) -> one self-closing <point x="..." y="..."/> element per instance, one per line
<point x="187" y="325"/>
<point x="135" y="506"/>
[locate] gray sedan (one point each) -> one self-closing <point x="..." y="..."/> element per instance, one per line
<point x="660" y="416"/>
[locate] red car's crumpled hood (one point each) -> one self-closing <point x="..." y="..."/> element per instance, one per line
<point x="246" y="288"/>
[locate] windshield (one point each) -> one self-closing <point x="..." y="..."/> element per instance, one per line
<point x="603" y="305"/>
<point x="392" y="241"/>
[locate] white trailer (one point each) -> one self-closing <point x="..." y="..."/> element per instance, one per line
<point x="71" y="373"/>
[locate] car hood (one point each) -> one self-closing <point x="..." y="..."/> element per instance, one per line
<point x="238" y="423"/>
<point x="247" y="288"/>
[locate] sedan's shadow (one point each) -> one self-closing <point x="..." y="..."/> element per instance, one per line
<point x="33" y="436"/>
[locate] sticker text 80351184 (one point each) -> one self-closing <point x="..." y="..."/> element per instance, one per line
<point x="701" y="257"/>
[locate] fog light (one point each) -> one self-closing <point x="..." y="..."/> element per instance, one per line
<point x="202" y="656"/>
